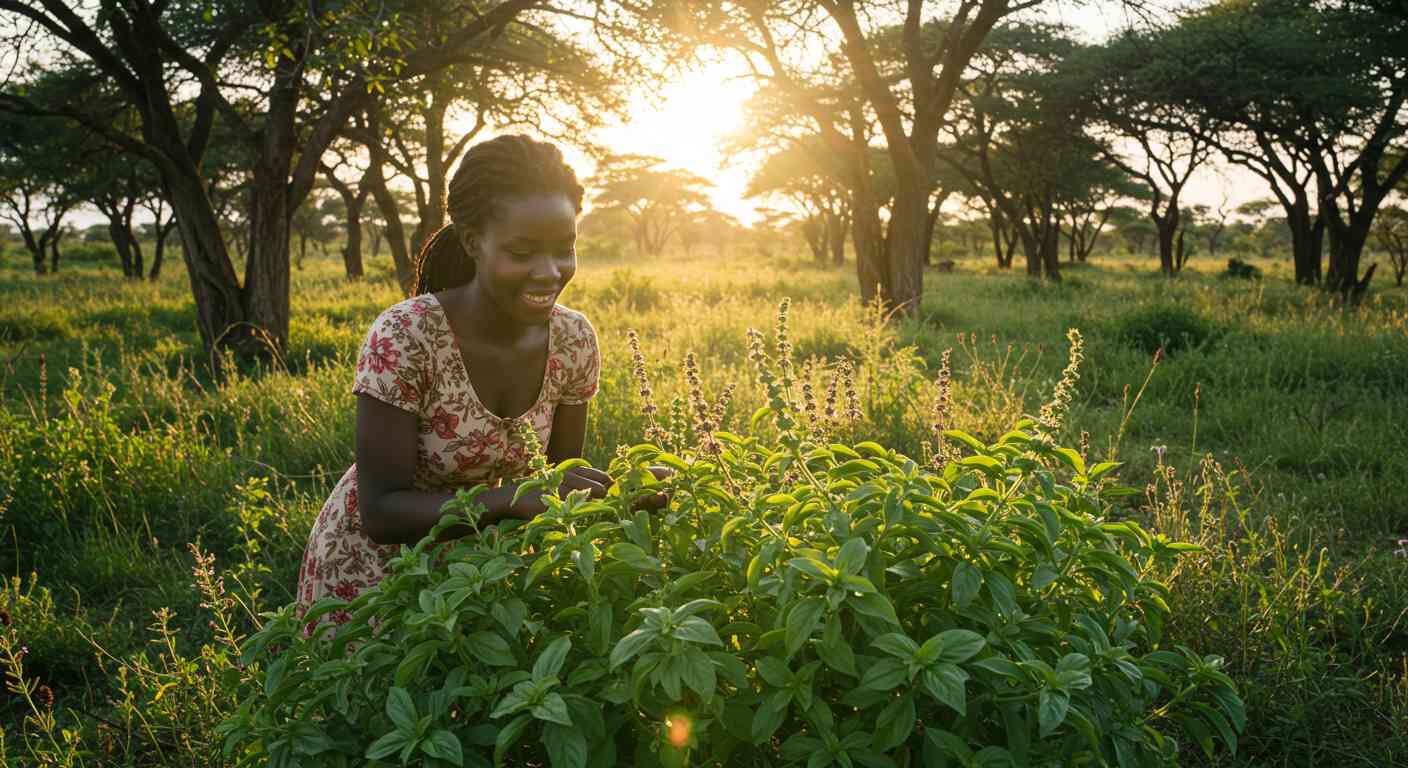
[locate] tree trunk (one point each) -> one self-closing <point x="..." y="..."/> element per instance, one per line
<point x="352" y="251"/>
<point x="121" y="242"/>
<point x="906" y="246"/>
<point x="54" y="253"/>
<point x="836" y="237"/>
<point x="266" y="273"/>
<point x="159" y="254"/>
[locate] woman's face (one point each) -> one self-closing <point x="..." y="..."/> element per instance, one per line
<point x="527" y="255"/>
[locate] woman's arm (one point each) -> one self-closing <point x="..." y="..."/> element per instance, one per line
<point x="394" y="512"/>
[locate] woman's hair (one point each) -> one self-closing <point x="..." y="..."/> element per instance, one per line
<point x="491" y="171"/>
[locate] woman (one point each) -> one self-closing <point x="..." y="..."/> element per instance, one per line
<point x="444" y="377"/>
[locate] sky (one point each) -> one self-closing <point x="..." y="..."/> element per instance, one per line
<point x="685" y="121"/>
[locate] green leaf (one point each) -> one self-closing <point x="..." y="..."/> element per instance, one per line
<point x="566" y="746"/>
<point x="967" y="581"/>
<point x="1103" y="468"/>
<point x="550" y="661"/>
<point x="695" y="606"/>
<point x="401" y="709"/>
<point x="876" y="606"/>
<point x="489" y="648"/>
<point x="814" y="568"/>
<point x="766" y="721"/>
<point x="553" y="710"/>
<point x="510" y="614"/>
<point x="851" y="558"/>
<point x="946" y="683"/>
<point x="1001" y="666"/>
<point x="987" y="464"/>
<point x="630" y="645"/>
<point x="959" y="645"/>
<point x="896" y="722"/>
<point x="1073" y="671"/>
<point x="774" y="671"/>
<point x="697" y="630"/>
<point x="898" y="645"/>
<point x="1051" y="710"/>
<point x="835" y="652"/>
<point x="884" y="675"/>
<point x="966" y="439"/>
<point x="443" y="745"/>
<point x="509" y="736"/>
<point x="1071" y="459"/>
<point x="802" y="620"/>
<point x="389" y="744"/>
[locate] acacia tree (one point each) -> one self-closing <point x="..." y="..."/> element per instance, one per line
<point x="160" y="54"/>
<point x="1125" y="86"/>
<point x="39" y="159"/>
<point x="659" y="201"/>
<point x="905" y="77"/>
<point x="798" y="172"/>
<point x="1391" y="234"/>
<point x="1306" y="94"/>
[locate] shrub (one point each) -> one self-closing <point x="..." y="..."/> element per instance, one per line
<point x="799" y="601"/>
<point x="1170" y="327"/>
<point x="632" y="291"/>
<point x="88" y="252"/>
<point x="1238" y="268"/>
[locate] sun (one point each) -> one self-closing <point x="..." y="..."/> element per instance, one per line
<point x="684" y="123"/>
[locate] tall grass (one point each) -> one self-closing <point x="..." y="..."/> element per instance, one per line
<point x="1270" y="431"/>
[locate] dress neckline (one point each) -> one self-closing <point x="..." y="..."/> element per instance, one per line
<point x="464" y="368"/>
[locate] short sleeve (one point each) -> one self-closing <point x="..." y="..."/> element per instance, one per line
<point x="583" y="362"/>
<point x="391" y="365"/>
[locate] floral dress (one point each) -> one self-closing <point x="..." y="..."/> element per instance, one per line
<point x="411" y="360"/>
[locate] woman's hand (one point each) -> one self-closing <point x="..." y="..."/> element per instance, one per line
<point x="592" y="480"/>
<point x="655" y="501"/>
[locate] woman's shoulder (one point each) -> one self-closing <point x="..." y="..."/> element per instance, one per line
<point x="416" y="314"/>
<point x="564" y="316"/>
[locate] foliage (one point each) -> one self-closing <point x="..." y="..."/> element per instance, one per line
<point x="659" y="201"/>
<point x="799" y="602"/>
<point x="1168" y="327"/>
<point x="1239" y="268"/>
<point x="1297" y="585"/>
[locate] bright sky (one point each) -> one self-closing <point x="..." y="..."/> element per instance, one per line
<point x="684" y="124"/>
<point x="686" y="121"/>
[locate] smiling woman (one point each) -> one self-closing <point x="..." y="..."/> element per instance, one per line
<point x="456" y="384"/>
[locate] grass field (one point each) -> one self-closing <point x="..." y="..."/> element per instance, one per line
<point x="1271" y="430"/>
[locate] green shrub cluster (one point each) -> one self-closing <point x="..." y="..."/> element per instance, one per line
<point x="799" y="602"/>
<point x="1170" y="327"/>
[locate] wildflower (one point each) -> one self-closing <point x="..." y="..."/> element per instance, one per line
<point x="1053" y="413"/>
<point x="1159" y="452"/>
<point x="638" y="369"/>
<point x="943" y="409"/>
<point x="848" y="382"/>
<point x="45" y="694"/>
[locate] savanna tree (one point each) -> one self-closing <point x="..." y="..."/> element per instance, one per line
<point x="1311" y="97"/>
<point x="167" y="56"/>
<point x="906" y="62"/>
<point x="659" y="201"/>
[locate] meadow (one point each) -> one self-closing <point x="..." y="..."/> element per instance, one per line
<point x="1263" y="421"/>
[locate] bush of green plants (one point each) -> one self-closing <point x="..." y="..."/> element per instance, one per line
<point x="1170" y="327"/>
<point x="800" y="601"/>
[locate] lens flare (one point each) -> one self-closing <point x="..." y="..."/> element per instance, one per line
<point x="678" y="727"/>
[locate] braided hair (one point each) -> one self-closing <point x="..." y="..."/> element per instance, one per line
<point x="491" y="171"/>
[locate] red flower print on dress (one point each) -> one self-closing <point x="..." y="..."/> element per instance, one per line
<point x="345" y="590"/>
<point x="444" y="423"/>
<point x="555" y="367"/>
<point x="408" y="391"/>
<point x="381" y="353"/>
